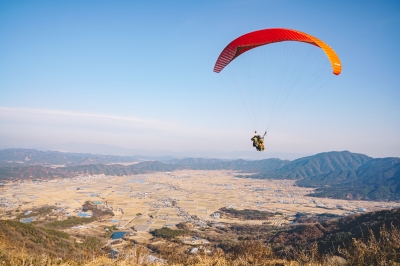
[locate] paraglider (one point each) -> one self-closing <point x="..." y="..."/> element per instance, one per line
<point x="267" y="37"/>
<point x="258" y="141"/>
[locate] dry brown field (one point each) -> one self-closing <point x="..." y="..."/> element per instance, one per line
<point x="199" y="193"/>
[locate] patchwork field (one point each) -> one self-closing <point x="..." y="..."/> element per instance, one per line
<point x="155" y="200"/>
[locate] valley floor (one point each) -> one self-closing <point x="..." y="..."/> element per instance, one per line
<point x="155" y="200"/>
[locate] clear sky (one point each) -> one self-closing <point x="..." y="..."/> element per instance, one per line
<point x="139" y="75"/>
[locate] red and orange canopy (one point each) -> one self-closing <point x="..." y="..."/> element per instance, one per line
<point x="254" y="39"/>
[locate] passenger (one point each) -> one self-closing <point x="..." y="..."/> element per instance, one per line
<point x="258" y="141"/>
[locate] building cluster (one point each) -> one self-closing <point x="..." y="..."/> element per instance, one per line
<point x="261" y="189"/>
<point x="216" y="215"/>
<point x="62" y="210"/>
<point x="7" y="203"/>
<point x="167" y="186"/>
<point x="194" y="240"/>
<point x="163" y="203"/>
<point x="190" y="218"/>
<point x="283" y="201"/>
<point x="162" y="217"/>
<point x="138" y="195"/>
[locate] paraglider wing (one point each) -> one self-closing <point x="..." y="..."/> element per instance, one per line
<point x="254" y="39"/>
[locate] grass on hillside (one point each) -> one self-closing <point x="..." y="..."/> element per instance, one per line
<point x="71" y="221"/>
<point x="383" y="250"/>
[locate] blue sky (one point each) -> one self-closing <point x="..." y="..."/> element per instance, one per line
<point x="139" y="75"/>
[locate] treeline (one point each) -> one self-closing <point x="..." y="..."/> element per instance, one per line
<point x="71" y="221"/>
<point x="246" y="214"/>
<point x="168" y="233"/>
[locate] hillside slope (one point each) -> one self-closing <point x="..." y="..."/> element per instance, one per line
<point x="37" y="240"/>
<point x="322" y="163"/>
<point x="339" y="232"/>
<point x="378" y="179"/>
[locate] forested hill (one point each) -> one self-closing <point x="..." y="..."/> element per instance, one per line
<point x="335" y="174"/>
<point x="377" y="179"/>
<point x="319" y="164"/>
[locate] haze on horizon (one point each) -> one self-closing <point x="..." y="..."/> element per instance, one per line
<point x="139" y="76"/>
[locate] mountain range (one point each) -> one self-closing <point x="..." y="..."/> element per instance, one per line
<point x="94" y="148"/>
<point x="335" y="174"/>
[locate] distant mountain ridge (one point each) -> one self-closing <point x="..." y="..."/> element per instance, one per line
<point x="42" y="172"/>
<point x="48" y="158"/>
<point x="335" y="174"/>
<point x="240" y="165"/>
